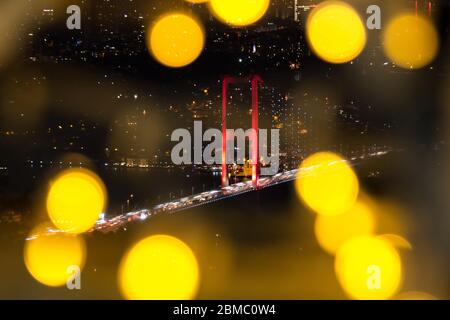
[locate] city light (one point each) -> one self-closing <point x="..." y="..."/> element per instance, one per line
<point x="336" y="32"/>
<point x="327" y="183"/>
<point x="176" y="40"/>
<point x="49" y="255"/>
<point x="75" y="200"/>
<point x="239" y="12"/>
<point x="158" y="268"/>
<point x="411" y="41"/>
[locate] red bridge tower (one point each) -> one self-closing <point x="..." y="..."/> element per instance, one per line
<point x="255" y="80"/>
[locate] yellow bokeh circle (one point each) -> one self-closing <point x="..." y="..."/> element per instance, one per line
<point x="335" y="32"/>
<point x="327" y="184"/>
<point x="49" y="256"/>
<point x="159" y="267"/>
<point x="176" y="40"/>
<point x="368" y="268"/>
<point x="411" y="41"/>
<point x="239" y="12"/>
<point x="75" y="200"/>
<point x="332" y="231"/>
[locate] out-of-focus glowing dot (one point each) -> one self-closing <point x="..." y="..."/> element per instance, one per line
<point x="415" y="295"/>
<point x="176" y="40"/>
<point x="159" y="268"/>
<point x="335" y="32"/>
<point x="368" y="268"/>
<point x="327" y="184"/>
<point x="49" y="255"/>
<point x="333" y="231"/>
<point x="239" y="12"/>
<point x="197" y="1"/>
<point x="397" y="241"/>
<point x="75" y="200"/>
<point x="411" y="41"/>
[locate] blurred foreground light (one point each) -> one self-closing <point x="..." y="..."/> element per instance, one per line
<point x="176" y="40"/>
<point x="19" y="110"/>
<point x="159" y="267"/>
<point x="76" y="199"/>
<point x="11" y="15"/>
<point x="197" y="1"/>
<point x="335" y="32"/>
<point x="327" y="183"/>
<point x="333" y="231"/>
<point x="49" y="255"/>
<point x="411" y="41"/>
<point x="368" y="268"/>
<point x="397" y="241"/>
<point x="239" y="12"/>
<point x="415" y="295"/>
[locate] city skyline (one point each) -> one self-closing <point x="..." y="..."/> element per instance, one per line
<point x="88" y="118"/>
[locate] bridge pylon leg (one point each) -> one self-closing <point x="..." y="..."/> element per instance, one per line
<point x="255" y="82"/>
